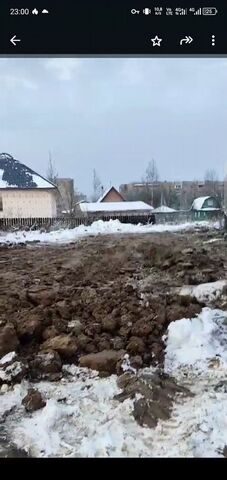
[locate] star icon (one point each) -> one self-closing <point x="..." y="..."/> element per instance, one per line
<point x="156" y="41"/>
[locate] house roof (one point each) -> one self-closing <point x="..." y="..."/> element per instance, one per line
<point x="115" y="206"/>
<point x="14" y="174"/>
<point x="106" y="193"/>
<point x="198" y="203"/>
<point x="164" y="209"/>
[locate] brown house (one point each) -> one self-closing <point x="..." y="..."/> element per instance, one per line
<point x="111" y="195"/>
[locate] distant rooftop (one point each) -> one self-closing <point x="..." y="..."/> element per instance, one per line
<point x="115" y="206"/>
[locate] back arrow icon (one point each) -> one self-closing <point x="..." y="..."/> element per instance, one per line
<point x="14" y="39"/>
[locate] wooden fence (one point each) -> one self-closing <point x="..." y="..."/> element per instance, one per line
<point x="75" y="221"/>
<point x="65" y="222"/>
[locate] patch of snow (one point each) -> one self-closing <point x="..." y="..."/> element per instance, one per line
<point x="210" y="209"/>
<point x="205" y="292"/>
<point x="164" y="209"/>
<point x="105" y="193"/>
<point x="8" y="358"/>
<point x="193" y="342"/>
<point x="12" y="398"/>
<point x="10" y="372"/>
<point x="42" y="182"/>
<point x="64" y="236"/>
<point x="126" y="365"/>
<point x="212" y="240"/>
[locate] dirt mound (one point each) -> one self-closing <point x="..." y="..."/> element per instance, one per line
<point x="101" y="294"/>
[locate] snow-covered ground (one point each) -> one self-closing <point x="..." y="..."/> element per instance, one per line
<point x="81" y="418"/>
<point x="97" y="228"/>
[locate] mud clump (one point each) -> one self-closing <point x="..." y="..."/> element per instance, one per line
<point x="104" y="362"/>
<point x="45" y="365"/>
<point x="153" y="396"/>
<point x="63" y="344"/>
<point x="33" y="401"/>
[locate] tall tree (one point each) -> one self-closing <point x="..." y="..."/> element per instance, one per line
<point x="211" y="179"/>
<point x="52" y="174"/>
<point x="151" y="174"/>
<point x="151" y="177"/>
<point x="97" y="186"/>
<point x="211" y="175"/>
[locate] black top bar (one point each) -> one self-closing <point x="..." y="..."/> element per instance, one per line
<point x="108" y="27"/>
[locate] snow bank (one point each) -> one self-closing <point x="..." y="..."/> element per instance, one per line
<point x="98" y="227"/>
<point x="193" y="342"/>
<point x="205" y="292"/>
<point x="80" y="419"/>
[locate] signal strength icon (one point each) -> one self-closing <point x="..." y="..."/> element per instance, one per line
<point x="198" y="12"/>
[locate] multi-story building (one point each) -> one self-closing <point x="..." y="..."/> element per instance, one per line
<point x="179" y="193"/>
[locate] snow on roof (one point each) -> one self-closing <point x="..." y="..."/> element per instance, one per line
<point x="115" y="206"/>
<point x="106" y="193"/>
<point x="14" y="174"/>
<point x="164" y="209"/>
<point x="198" y="203"/>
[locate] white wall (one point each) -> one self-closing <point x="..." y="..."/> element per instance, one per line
<point x="28" y="203"/>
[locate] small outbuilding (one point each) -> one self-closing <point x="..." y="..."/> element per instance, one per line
<point x="132" y="212"/>
<point x="205" y="208"/>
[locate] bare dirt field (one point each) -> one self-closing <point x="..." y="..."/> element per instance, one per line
<point x="116" y="293"/>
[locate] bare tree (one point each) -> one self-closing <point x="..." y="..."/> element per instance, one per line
<point x="97" y="187"/>
<point x="211" y="175"/>
<point x="211" y="179"/>
<point x="52" y="174"/>
<point x="151" y="177"/>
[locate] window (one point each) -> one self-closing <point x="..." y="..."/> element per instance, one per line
<point x="210" y="202"/>
<point x="1" y="204"/>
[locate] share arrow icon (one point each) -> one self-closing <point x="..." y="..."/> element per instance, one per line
<point x="186" y="40"/>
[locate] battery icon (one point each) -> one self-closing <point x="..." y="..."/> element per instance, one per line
<point x="209" y="11"/>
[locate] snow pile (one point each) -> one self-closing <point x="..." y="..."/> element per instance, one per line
<point x="97" y="228"/>
<point x="205" y="292"/>
<point x="194" y="342"/>
<point x="80" y="419"/>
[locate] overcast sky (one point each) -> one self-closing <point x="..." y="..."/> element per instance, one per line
<point x="115" y="115"/>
